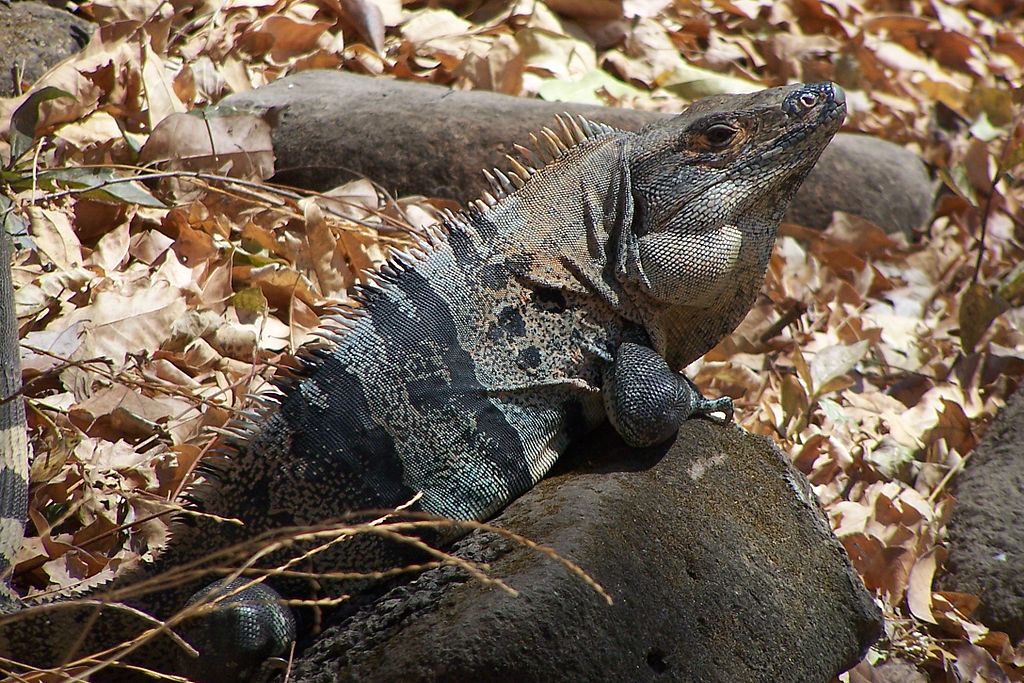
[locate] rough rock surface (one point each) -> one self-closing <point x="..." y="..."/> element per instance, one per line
<point x="868" y="177"/>
<point x="416" y="138"/>
<point x="720" y="563"/>
<point x="986" y="536"/>
<point x="899" y="671"/>
<point x="34" y="37"/>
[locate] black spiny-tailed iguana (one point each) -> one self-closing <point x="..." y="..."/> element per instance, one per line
<point x="603" y="263"/>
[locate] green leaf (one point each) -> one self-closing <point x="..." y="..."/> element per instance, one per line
<point x="214" y="110"/>
<point x="1014" y="158"/>
<point x="795" y="404"/>
<point x="833" y="411"/>
<point x="250" y="300"/>
<point x="584" y="90"/>
<point x="248" y="255"/>
<point x="25" y="118"/>
<point x="890" y="457"/>
<point x="1011" y="289"/>
<point x="996" y="104"/>
<point x="102" y="184"/>
<point x="691" y="82"/>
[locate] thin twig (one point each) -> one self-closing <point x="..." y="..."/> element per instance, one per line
<point x="987" y="207"/>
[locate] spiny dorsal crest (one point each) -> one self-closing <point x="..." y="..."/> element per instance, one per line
<point x="547" y="147"/>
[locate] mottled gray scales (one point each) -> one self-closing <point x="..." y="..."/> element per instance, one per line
<point x="13" y="438"/>
<point x="599" y="266"/>
<point x="439" y="406"/>
<point x="241" y="626"/>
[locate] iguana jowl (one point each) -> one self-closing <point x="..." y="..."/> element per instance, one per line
<point x="604" y="263"/>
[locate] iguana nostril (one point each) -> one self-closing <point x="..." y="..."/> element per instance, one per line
<point x="838" y="94"/>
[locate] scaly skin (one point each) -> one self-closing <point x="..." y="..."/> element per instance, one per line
<point x="13" y="438"/>
<point x="573" y="295"/>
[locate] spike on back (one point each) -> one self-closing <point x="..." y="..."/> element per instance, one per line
<point x="520" y="170"/>
<point x="548" y="146"/>
<point x="528" y="155"/>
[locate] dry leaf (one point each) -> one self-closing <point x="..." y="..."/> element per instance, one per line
<point x="368" y="20"/>
<point x="53" y="234"/>
<point x="978" y="308"/>
<point x="587" y="9"/>
<point x="876" y="434"/>
<point x="919" y="588"/>
<point x="830" y="365"/>
<point x="235" y="145"/>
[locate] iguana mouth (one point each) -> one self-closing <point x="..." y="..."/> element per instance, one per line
<point x="777" y="145"/>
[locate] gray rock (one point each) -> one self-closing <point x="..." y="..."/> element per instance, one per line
<point x="867" y="177"/>
<point x="899" y="671"/>
<point x="986" y="534"/>
<point x="412" y="138"/>
<point x="34" y="37"/>
<point x="720" y="563"/>
<point x="415" y="138"/>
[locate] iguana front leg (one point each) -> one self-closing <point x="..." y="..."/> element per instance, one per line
<point x="646" y="402"/>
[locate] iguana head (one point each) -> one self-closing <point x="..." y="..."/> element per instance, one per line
<point x="711" y="184"/>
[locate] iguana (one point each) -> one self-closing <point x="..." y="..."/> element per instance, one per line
<point x="602" y="264"/>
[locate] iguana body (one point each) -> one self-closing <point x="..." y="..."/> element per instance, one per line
<point x="574" y="294"/>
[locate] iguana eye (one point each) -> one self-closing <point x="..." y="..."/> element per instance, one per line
<point x="809" y="99"/>
<point x="719" y="135"/>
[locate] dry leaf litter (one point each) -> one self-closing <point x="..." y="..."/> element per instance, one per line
<point x="875" y="360"/>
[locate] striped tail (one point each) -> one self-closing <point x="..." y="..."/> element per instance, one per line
<point x="14" y="448"/>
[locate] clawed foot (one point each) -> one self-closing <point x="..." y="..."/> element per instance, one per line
<point x="705" y="407"/>
<point x="646" y="401"/>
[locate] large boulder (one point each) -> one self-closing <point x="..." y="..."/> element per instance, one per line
<point x="720" y="564"/>
<point x="34" y="37"/>
<point x="867" y="177"/>
<point x="416" y="138"/>
<point x="986" y="536"/>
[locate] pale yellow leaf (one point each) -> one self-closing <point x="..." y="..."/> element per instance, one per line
<point x="429" y="25"/>
<point x="55" y="237"/>
<point x="556" y="54"/>
<point x="834" y="362"/>
<point x="161" y="99"/>
<point x="586" y="90"/>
